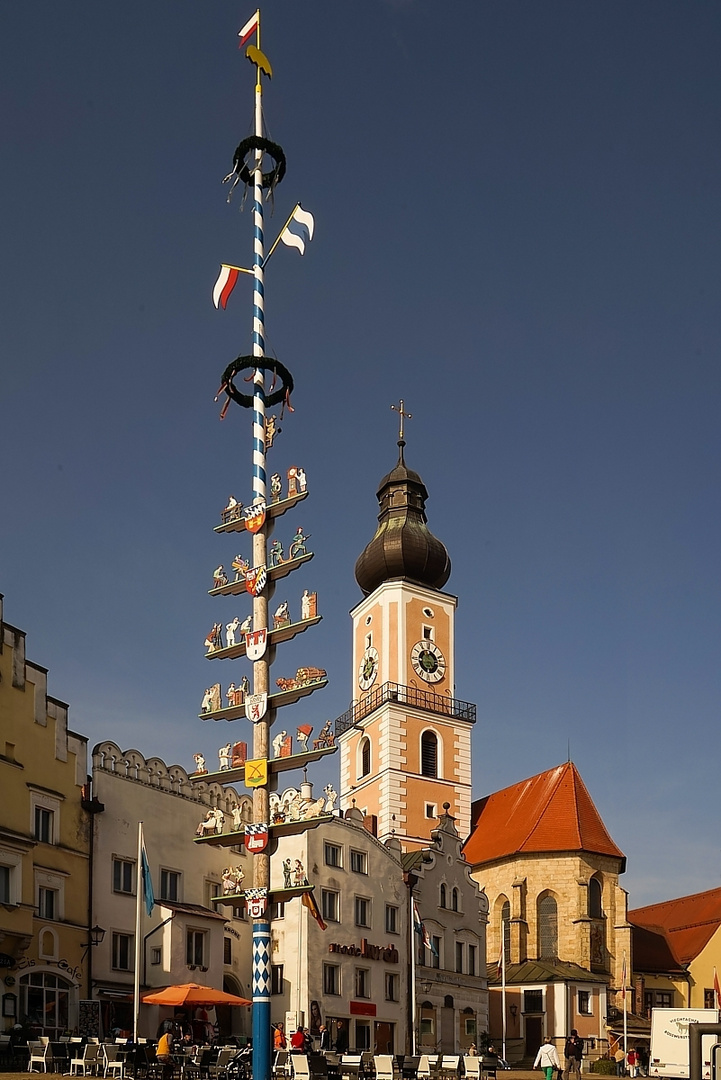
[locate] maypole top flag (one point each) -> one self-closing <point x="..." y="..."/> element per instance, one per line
<point x="249" y="29"/>
<point x="299" y="230"/>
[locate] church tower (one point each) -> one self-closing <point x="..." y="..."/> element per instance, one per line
<point x="408" y="751"/>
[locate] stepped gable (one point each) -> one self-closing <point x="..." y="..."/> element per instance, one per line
<point x="403" y="546"/>
<point x="687" y="923"/>
<point x="549" y="812"/>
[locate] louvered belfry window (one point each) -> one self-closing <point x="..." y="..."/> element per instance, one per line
<point x="429" y="754"/>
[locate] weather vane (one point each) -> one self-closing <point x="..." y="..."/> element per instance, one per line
<point x="403" y="415"/>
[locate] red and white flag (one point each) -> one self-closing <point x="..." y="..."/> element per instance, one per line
<point x="249" y="29"/>
<point x="225" y="284"/>
<point x="716" y="989"/>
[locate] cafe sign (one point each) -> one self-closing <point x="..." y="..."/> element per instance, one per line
<point x="388" y="953"/>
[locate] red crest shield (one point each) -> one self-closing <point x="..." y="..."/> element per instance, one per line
<point x="256" y="837"/>
<point x="255" y="580"/>
<point x="255" y="644"/>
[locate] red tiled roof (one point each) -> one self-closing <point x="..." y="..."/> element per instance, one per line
<point x="688" y="922"/>
<point x="653" y="951"/>
<point x="549" y="812"/>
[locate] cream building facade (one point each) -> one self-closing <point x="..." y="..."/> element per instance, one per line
<point x="44" y="848"/>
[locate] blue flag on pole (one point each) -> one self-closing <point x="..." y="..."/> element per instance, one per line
<point x="147" y="882"/>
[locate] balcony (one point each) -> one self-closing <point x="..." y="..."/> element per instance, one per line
<point x="397" y="694"/>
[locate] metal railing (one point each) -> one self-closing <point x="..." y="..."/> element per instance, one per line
<point x="397" y="694"/>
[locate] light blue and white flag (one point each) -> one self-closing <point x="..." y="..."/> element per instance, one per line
<point x="299" y="230"/>
<point x="147" y="883"/>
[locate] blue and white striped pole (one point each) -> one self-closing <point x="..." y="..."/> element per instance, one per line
<point x="262" y="1063"/>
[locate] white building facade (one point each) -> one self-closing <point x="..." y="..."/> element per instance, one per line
<point x="185" y="939"/>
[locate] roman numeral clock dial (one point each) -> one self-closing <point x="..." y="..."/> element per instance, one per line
<point x="428" y="661"/>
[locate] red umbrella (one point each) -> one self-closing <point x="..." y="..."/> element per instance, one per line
<point x="193" y="994"/>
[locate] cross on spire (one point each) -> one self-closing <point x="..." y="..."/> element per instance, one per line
<point x="403" y="415"/>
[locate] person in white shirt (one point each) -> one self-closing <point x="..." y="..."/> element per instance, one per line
<point x="547" y="1059"/>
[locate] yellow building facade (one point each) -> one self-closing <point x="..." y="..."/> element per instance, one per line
<point x="44" y="848"/>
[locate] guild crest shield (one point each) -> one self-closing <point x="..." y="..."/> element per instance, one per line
<point x="255" y="580"/>
<point x="256" y="837"/>
<point x="256" y="902"/>
<point x="256" y="706"/>
<point x="255" y="644"/>
<point x="254" y="517"/>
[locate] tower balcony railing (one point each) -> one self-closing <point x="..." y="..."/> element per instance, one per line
<point x="397" y="694"/>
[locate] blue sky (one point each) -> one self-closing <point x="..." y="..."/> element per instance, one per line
<point x="517" y="231"/>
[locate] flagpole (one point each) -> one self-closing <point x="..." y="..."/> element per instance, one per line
<point x="503" y="989"/>
<point x="138" y="902"/>
<point x="625" y="1010"/>
<point x="414" y="1036"/>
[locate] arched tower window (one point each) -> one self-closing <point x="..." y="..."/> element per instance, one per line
<point x="505" y="929"/>
<point x="547" y="928"/>
<point x="429" y="754"/>
<point x="365" y="756"/>
<point x="595" y="909"/>
<point x="454" y="899"/>
<point x="443" y="896"/>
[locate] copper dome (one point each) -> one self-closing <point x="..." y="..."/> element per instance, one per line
<point x="403" y="546"/>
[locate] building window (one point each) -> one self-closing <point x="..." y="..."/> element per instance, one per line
<point x="365" y="749"/>
<point x="122" y="952"/>
<point x="471" y="959"/>
<point x="331" y="979"/>
<point x="362" y="983"/>
<point x="584" y="1002"/>
<point x="123" y="876"/>
<point x="391" y="919"/>
<point x="427" y="633"/>
<point x="663" y="999"/>
<point x="195" y="948"/>
<point x="429" y="754"/>
<point x="709" y="999"/>
<point x="505" y="929"/>
<point x="332" y="854"/>
<point x="436" y="952"/>
<point x="239" y="912"/>
<point x="362" y="911"/>
<point x="469" y="1024"/>
<point x="170" y="885"/>
<point x="594" y="899"/>
<point x="533" y="1001"/>
<point x="46" y="997"/>
<point x="431" y="810"/>
<point x="392" y="987"/>
<point x="359" y="862"/>
<point x="330" y="906"/>
<point x="276" y="979"/>
<point x="227" y="950"/>
<point x="443" y="896"/>
<point x="459" y="957"/>
<point x="155" y="955"/>
<point x="44" y="825"/>
<point x="547" y="928"/>
<point x="212" y="888"/>
<point x="362" y="1035"/>
<point x="5" y="885"/>
<point x="47" y="904"/>
<point x="277" y="910"/>
<point x="454" y="899"/>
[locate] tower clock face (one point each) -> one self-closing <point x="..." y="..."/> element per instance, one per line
<point x="368" y="669"/>
<point x="428" y="661"/>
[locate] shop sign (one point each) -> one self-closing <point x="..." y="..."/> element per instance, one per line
<point x="389" y="953"/>
<point x="362" y="1008"/>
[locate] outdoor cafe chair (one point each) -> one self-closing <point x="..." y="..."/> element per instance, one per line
<point x="39" y="1053"/>
<point x="300" y="1066"/>
<point x="472" y="1066"/>
<point x="383" y="1064"/>
<point x="86" y="1058"/>
<point x="113" y="1063"/>
<point x="449" y="1066"/>
<point x="427" y="1066"/>
<point x="351" y="1065"/>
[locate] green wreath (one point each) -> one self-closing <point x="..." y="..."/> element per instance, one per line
<point x="255" y="142"/>
<point x="245" y="363"/>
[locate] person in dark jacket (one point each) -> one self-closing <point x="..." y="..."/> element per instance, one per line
<point x="573" y="1054"/>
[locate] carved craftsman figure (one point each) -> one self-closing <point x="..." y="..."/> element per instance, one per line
<point x="300" y="474"/>
<point x="214" y="639"/>
<point x="219" y="577"/>
<point x="287" y="871"/>
<point x="224" y="755"/>
<point x="308" y="605"/>
<point x="240" y="565"/>
<point x="278" y="743"/>
<point x="199" y="762"/>
<point x="281" y="616"/>
<point x="230" y="632"/>
<point x="276" y="486"/>
<point x="297" y="544"/>
<point x="275" y="553"/>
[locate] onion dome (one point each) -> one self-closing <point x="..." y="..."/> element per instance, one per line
<point x="403" y="546"/>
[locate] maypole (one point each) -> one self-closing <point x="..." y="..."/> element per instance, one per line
<point x="255" y="638"/>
